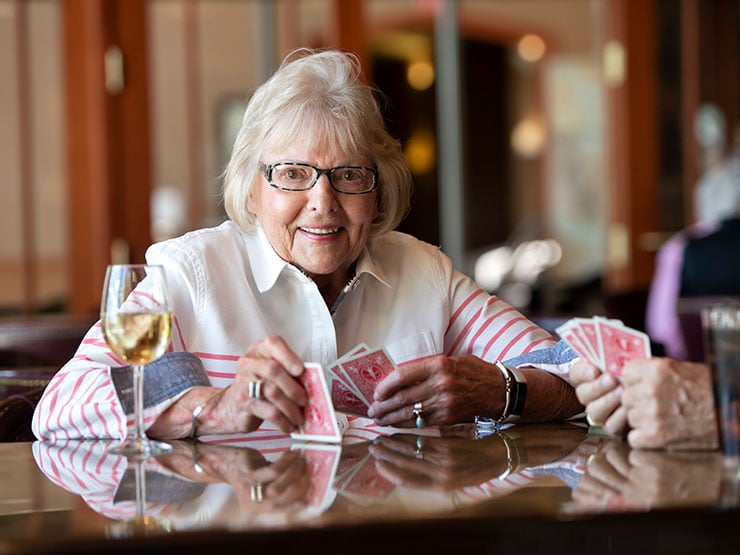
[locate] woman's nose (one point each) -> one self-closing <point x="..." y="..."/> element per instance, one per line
<point x="322" y="196"/>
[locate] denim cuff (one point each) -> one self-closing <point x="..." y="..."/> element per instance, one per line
<point x="164" y="379"/>
<point x="560" y="353"/>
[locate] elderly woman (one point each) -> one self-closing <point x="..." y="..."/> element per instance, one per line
<point x="306" y="268"/>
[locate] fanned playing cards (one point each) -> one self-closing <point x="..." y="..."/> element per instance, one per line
<point x="606" y="343"/>
<point x="352" y="378"/>
<point x="347" y="385"/>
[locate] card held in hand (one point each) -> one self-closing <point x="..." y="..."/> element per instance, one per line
<point x="620" y="344"/>
<point x="320" y="420"/>
<point x="605" y="343"/>
<point x="354" y="376"/>
<point x="365" y="371"/>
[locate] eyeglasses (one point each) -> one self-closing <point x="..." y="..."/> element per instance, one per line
<point x="295" y="176"/>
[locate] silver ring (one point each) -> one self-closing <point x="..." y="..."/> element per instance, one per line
<point x="255" y="492"/>
<point x="419" y="414"/>
<point x="255" y="389"/>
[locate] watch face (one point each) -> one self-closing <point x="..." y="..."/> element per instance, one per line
<point x="709" y="125"/>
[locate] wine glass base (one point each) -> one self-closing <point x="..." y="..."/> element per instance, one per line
<point x="143" y="448"/>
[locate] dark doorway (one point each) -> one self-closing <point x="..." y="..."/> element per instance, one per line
<point x="485" y="130"/>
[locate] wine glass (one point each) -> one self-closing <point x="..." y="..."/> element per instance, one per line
<point x="137" y="320"/>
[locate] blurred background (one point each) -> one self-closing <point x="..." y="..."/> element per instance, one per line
<point x="555" y="144"/>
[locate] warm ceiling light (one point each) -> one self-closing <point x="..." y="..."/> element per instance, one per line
<point x="528" y="137"/>
<point x="531" y="48"/>
<point x="420" y="75"/>
<point x="420" y="152"/>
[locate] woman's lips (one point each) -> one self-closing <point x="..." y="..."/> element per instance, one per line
<point x="320" y="230"/>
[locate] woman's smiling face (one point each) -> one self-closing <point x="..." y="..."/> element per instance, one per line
<point x="322" y="231"/>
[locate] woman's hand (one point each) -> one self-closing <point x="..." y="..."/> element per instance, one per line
<point x="601" y="394"/>
<point x="272" y="364"/>
<point x="451" y="390"/>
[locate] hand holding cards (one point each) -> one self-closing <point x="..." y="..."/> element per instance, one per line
<point x="605" y="343"/>
<point x="348" y="386"/>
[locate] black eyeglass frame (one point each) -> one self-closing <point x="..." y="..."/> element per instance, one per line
<point x="266" y="170"/>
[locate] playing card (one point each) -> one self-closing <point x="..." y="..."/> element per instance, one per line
<point x="345" y="399"/>
<point x="320" y="421"/>
<point x="585" y="329"/>
<point x="366" y="370"/>
<point x="620" y="344"/>
<point x="334" y="372"/>
<point x="606" y="343"/>
<point x="568" y="333"/>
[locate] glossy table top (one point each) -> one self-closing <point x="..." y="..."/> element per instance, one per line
<point x="520" y="489"/>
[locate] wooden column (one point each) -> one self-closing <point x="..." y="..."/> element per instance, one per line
<point x="108" y="157"/>
<point x="633" y="141"/>
<point x="351" y="33"/>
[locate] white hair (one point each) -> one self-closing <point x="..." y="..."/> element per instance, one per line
<point x="319" y="97"/>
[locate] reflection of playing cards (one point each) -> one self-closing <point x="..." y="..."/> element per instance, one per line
<point x="352" y="378"/>
<point x="322" y="461"/>
<point x="320" y="421"/>
<point x="605" y="343"/>
<point x="357" y="477"/>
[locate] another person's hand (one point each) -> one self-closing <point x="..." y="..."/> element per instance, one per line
<point x="601" y="394"/>
<point x="661" y="403"/>
<point x="669" y="404"/>
<point x="451" y="390"/>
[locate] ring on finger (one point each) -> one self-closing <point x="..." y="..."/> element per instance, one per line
<point x="418" y="412"/>
<point x="256" y="492"/>
<point x="593" y="422"/>
<point x="255" y="389"/>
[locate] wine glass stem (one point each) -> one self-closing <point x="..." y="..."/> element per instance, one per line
<point x="138" y="387"/>
<point x="140" y="488"/>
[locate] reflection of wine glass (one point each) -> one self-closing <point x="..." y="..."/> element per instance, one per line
<point x="142" y="524"/>
<point x="136" y="320"/>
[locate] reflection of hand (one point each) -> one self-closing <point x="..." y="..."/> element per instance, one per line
<point x="622" y="479"/>
<point x="260" y="485"/>
<point x="452" y="462"/>
<point x="438" y="463"/>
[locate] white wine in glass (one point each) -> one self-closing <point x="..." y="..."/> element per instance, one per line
<point x="137" y="320"/>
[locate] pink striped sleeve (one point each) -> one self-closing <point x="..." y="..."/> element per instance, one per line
<point x="486" y="326"/>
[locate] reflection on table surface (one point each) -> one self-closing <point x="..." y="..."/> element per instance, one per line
<point x="264" y="481"/>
